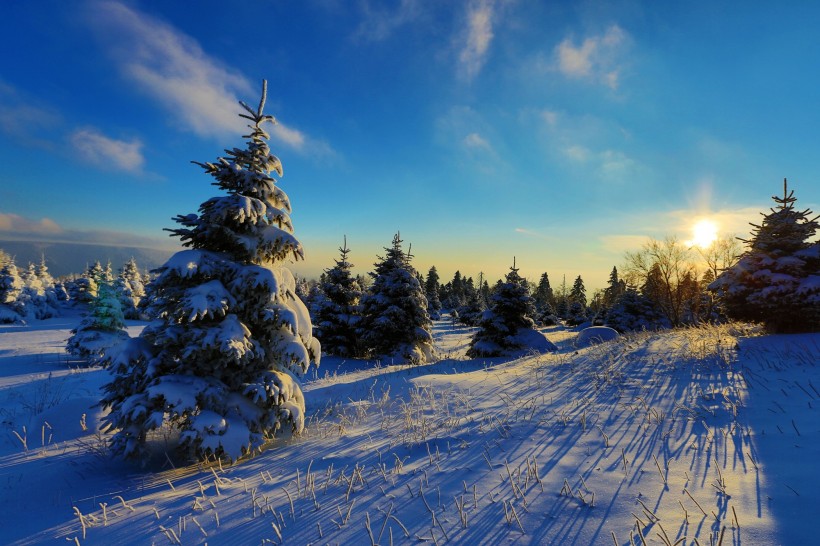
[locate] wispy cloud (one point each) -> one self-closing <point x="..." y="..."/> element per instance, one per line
<point x="476" y="141"/>
<point x="534" y="234"/>
<point x="587" y="142"/>
<point x="379" y="23"/>
<point x="171" y="67"/>
<point x="596" y="58"/>
<point x="477" y="37"/>
<point x="108" y="153"/>
<point x="609" y="164"/>
<point x="577" y="153"/>
<point x="14" y="227"/>
<point x="23" y="120"/>
<point x="18" y="224"/>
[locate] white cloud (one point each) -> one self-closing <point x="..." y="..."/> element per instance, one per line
<point x="479" y="35"/>
<point x="379" y="23"/>
<point x="596" y="58"/>
<point x="14" y="227"/>
<point x="550" y="117"/>
<point x="609" y="164"/>
<point x="17" y="224"/>
<point x="589" y="142"/>
<point x="24" y="120"/>
<point x="94" y="147"/>
<point x="172" y="67"/>
<point x="533" y="233"/>
<point x="577" y="153"/>
<point x="615" y="163"/>
<point x="476" y="141"/>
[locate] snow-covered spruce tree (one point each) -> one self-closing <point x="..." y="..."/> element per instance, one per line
<point x="37" y="299"/>
<point x="777" y="280"/>
<point x="102" y="328"/>
<point x="336" y="309"/>
<point x="130" y="289"/>
<point x="84" y="288"/>
<point x="431" y="290"/>
<point x="577" y="312"/>
<point x="11" y="286"/>
<point x="470" y="313"/>
<point x="543" y="296"/>
<point x="220" y="361"/>
<point x="634" y="311"/>
<point x="614" y="288"/>
<point x="394" y="322"/>
<point x="506" y="326"/>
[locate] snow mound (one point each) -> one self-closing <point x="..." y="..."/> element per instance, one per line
<point x="532" y="340"/>
<point x="595" y="335"/>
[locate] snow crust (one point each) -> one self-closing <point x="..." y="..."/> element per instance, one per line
<point x="718" y="418"/>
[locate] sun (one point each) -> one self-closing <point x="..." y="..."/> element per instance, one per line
<point x="704" y="233"/>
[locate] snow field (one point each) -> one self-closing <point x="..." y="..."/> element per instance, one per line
<point x="694" y="436"/>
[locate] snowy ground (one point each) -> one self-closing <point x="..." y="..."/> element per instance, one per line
<point x="691" y="437"/>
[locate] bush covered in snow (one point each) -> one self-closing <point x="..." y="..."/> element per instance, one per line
<point x="220" y="361"/>
<point x="777" y="280"/>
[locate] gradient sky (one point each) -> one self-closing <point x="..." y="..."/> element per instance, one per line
<point x="562" y="133"/>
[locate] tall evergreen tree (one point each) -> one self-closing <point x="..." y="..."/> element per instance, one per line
<point x="455" y="292"/>
<point x="777" y="279"/>
<point x="395" y="323"/>
<point x="544" y="300"/>
<point x="220" y="362"/>
<point x="431" y="289"/>
<point x="543" y="295"/>
<point x="336" y="310"/>
<point x="578" y="293"/>
<point x="577" y="312"/>
<point x="614" y="288"/>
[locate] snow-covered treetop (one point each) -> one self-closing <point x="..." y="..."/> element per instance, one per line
<point x="785" y="230"/>
<point x="252" y="223"/>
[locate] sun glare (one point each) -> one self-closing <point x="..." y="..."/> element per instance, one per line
<point x="704" y="233"/>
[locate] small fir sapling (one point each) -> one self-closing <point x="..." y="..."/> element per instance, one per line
<point x="101" y="329"/>
<point x="336" y="309"/>
<point x="221" y="359"/>
<point x="777" y="280"/>
<point x="506" y="326"/>
<point x="395" y="323"/>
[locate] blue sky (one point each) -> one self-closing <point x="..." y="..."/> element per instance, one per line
<point x="562" y="133"/>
